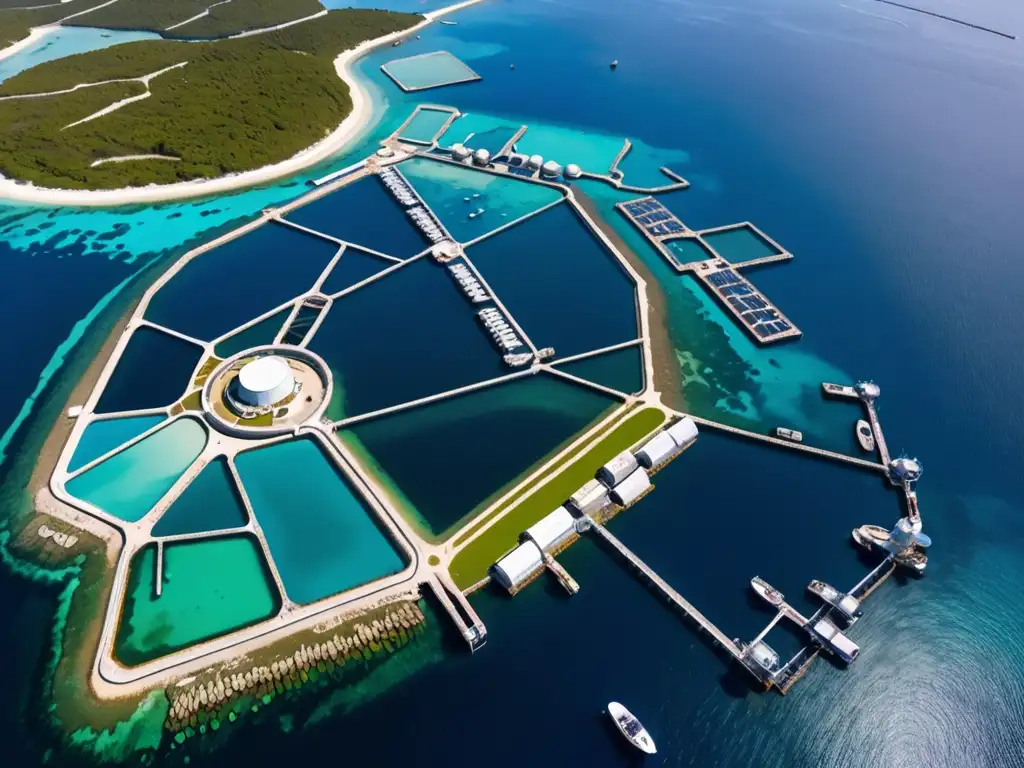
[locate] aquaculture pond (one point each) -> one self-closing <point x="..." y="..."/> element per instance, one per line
<point x="363" y="213"/>
<point x="428" y="70"/>
<point x="560" y="283"/>
<point x="740" y="244"/>
<point x="456" y="193"/>
<point x="687" y="249"/>
<point x="323" y="537"/>
<point x="105" y="435"/>
<point x="209" y="503"/>
<point x="129" y="483"/>
<point x="621" y="370"/>
<point x="425" y="124"/>
<point x="248" y="276"/>
<point x="210" y="587"/>
<point x="403" y="337"/>
<point x="353" y="267"/>
<point x="448" y="459"/>
<point x="263" y="332"/>
<point x="153" y="372"/>
<point x="480" y="132"/>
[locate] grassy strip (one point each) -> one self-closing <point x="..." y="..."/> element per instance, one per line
<point x="237" y="105"/>
<point x="471" y="564"/>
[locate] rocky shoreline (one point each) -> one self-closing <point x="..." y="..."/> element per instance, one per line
<point x="206" y="701"/>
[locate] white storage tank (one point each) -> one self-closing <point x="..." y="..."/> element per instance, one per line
<point x="684" y="432"/>
<point x="553" y="530"/>
<point x="656" y="450"/>
<point x="460" y="152"/>
<point x="518" y="566"/>
<point x="265" y="381"/>
<point x="630" y="489"/>
<point x="534" y="162"/>
<point x="551" y="169"/>
<point x="572" y="171"/>
<point x="481" y="157"/>
<point x="618" y="469"/>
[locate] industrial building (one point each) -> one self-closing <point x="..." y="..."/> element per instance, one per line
<point x="590" y="497"/>
<point x="657" y="450"/>
<point x="684" y="432"/>
<point x="264" y="381"/>
<point x="618" y="469"/>
<point x="516" y="569"/>
<point x="553" y="531"/>
<point x="631" y="488"/>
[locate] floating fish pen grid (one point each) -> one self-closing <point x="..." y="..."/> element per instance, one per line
<point x="423" y="126"/>
<point x="428" y="70"/>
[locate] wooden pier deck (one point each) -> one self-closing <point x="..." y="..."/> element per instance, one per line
<point x="820" y="452"/>
<point x="569" y="584"/>
<point x="673" y="596"/>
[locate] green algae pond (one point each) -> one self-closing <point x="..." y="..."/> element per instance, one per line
<point x="210" y="587"/>
<point x="323" y="537"/>
<point x="105" y="435"/>
<point x="129" y="483"/>
<point x="448" y="459"/>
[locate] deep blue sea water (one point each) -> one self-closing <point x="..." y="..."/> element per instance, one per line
<point x="879" y="146"/>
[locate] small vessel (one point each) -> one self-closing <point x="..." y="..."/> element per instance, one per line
<point x="912" y="558"/>
<point x="847" y="605"/>
<point x="450" y="23"/>
<point x="770" y="594"/>
<point x="789" y="434"/>
<point x="615" y="64"/>
<point x="871" y="536"/>
<point x="631" y="728"/>
<point x="865" y="436"/>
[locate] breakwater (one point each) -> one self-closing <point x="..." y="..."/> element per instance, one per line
<point x="207" y="700"/>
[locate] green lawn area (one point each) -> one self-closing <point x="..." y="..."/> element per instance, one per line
<point x="471" y="564"/>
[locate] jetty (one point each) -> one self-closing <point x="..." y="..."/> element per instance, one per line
<point x="751" y="309"/>
<point x="460" y="610"/>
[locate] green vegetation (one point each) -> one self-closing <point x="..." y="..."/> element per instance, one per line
<point x="222" y="20"/>
<point x="16" y="22"/>
<point x="470" y="565"/>
<point x="237" y="105"/>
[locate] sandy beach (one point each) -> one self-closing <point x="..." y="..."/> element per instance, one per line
<point x="34" y="36"/>
<point x="349" y="130"/>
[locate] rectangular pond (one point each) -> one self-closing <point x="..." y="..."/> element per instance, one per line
<point x="428" y="70"/>
<point x="224" y="288"/>
<point x="471" y="203"/>
<point x="209" y="503"/>
<point x="480" y="131"/>
<point x="210" y="587"/>
<point x="408" y="335"/>
<point x="425" y="124"/>
<point x="101" y="437"/>
<point x="445" y="461"/>
<point x="740" y="243"/>
<point x="154" y="371"/>
<point x="560" y="283"/>
<point x="323" y="537"/>
<point x="129" y="483"/>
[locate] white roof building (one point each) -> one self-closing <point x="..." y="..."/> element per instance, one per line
<point x="518" y="566"/>
<point x="656" y="450"/>
<point x="684" y="432"/>
<point x="836" y="641"/>
<point x="630" y="489"/>
<point x="553" y="530"/>
<point x="265" y="381"/>
<point x="618" y="469"/>
<point x="591" y="495"/>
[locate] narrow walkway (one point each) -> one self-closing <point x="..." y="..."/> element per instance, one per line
<point x="126" y="158"/>
<point x="196" y="17"/>
<point x="144" y="79"/>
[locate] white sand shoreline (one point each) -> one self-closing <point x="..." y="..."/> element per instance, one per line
<point x="349" y="130"/>
<point x="34" y="36"/>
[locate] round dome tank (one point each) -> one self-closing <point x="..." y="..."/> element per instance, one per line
<point x="551" y="168"/>
<point x="481" y="157"/>
<point x="572" y="171"/>
<point x="265" y="381"/>
<point x="535" y="162"/>
<point x="459" y="152"/>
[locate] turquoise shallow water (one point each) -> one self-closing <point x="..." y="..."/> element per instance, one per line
<point x="739" y="244"/>
<point x="425" y="125"/>
<point x="322" y="536"/>
<point x="129" y="483"/>
<point x="105" y="435"/>
<point x="480" y="132"/>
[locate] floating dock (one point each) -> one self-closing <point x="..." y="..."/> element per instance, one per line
<point x="754" y="312"/>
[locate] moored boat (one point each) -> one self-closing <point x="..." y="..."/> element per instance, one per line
<point x="789" y="434"/>
<point x="631" y="728"/>
<point x="769" y="593"/>
<point x="865" y="436"/>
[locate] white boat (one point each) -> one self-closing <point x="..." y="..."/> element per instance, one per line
<point x="865" y="436"/>
<point x="789" y="434"/>
<point x="631" y="728"/>
<point x="771" y="595"/>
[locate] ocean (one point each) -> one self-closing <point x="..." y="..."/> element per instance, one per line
<point x="883" y="149"/>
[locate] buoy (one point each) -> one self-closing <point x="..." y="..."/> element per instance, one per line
<point x="615" y="64"/>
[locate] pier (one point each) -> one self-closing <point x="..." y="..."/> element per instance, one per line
<point x="751" y="309"/>
<point x="702" y="622"/>
<point x="569" y="584"/>
<point x="866" y="392"/>
<point x="465" y="618"/>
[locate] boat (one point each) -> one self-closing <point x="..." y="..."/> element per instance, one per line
<point x="871" y="536"/>
<point x="912" y="558"/>
<point x="789" y="434"/>
<point x="770" y="594"/>
<point x="847" y="605"/>
<point x="449" y="23"/>
<point x="615" y="64"/>
<point x="631" y="728"/>
<point x="865" y="436"/>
